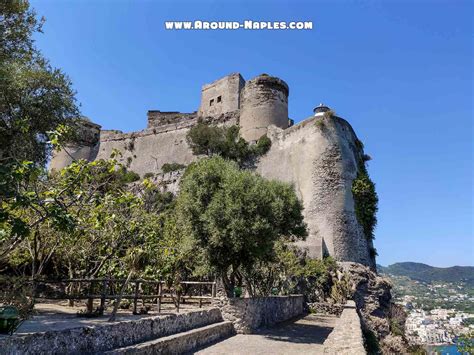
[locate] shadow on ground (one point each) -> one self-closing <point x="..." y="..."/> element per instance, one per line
<point x="310" y="329"/>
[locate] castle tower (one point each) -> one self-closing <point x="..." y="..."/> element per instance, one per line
<point x="263" y="102"/>
<point x="221" y="96"/>
<point x="85" y="147"/>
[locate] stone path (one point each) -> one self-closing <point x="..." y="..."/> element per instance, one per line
<point x="50" y="317"/>
<point x="303" y="336"/>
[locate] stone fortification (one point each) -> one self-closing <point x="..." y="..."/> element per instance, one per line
<point x="319" y="155"/>
<point x="264" y="102"/>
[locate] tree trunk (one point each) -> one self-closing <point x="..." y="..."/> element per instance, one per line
<point x="119" y="298"/>
<point x="228" y="285"/>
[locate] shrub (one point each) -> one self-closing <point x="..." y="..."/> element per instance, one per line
<point x="225" y="142"/>
<point x="130" y="176"/>
<point x="263" y="145"/>
<point x="17" y="291"/>
<point x="371" y="342"/>
<point x="169" y="167"/>
<point x="148" y="175"/>
<point x="365" y="201"/>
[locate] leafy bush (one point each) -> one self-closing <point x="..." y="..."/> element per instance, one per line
<point x="371" y="342"/>
<point x="263" y="145"/>
<point x="148" y="175"/>
<point x="169" y="167"/>
<point x="225" y="142"/>
<point x="366" y="202"/>
<point x="17" y="291"/>
<point x="341" y="290"/>
<point x="130" y="176"/>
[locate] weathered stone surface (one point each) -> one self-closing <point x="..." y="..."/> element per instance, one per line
<point x="263" y="102"/>
<point x="249" y="314"/>
<point x="325" y="308"/>
<point x="371" y="293"/>
<point x="319" y="156"/>
<point x="100" y="338"/>
<point x="346" y="338"/>
<point x="221" y="96"/>
<point x="182" y="342"/>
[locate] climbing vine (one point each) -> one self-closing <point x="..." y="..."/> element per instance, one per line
<point x="366" y="200"/>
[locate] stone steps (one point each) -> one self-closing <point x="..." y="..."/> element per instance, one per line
<point x="181" y="342"/>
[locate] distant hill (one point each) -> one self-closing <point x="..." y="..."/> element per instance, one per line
<point x="427" y="273"/>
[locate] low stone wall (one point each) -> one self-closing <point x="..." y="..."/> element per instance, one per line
<point x="249" y="314"/>
<point x="326" y="308"/>
<point x="346" y="337"/>
<point x="100" y="338"/>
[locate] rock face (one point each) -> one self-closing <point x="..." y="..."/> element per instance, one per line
<point x="372" y="297"/>
<point x="318" y="156"/>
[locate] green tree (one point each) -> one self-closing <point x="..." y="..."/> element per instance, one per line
<point x="225" y="141"/>
<point x="234" y="217"/>
<point x="35" y="97"/>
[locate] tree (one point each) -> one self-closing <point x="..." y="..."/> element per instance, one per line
<point x="225" y="141"/>
<point x="35" y="97"/>
<point x="234" y="217"/>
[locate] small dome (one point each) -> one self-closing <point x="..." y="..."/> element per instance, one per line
<point x="321" y="109"/>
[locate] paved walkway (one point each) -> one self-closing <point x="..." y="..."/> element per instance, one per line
<point x="58" y="316"/>
<point x="303" y="336"/>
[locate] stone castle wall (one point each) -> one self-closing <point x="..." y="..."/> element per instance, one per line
<point x="221" y="96"/>
<point x="264" y="102"/>
<point x="318" y="156"/>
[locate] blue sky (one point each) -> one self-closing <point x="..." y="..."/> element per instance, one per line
<point x="399" y="71"/>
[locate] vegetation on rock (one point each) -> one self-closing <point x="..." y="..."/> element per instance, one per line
<point x="213" y="140"/>
<point x="169" y="167"/>
<point x="366" y="201"/>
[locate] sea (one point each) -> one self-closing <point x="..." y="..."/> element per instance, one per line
<point x="442" y="349"/>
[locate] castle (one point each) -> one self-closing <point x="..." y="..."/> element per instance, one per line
<point x="319" y="155"/>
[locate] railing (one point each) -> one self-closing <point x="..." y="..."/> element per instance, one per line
<point x="155" y="290"/>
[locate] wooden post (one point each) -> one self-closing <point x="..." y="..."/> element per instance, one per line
<point x="90" y="300"/>
<point x="102" y="296"/>
<point x="200" y="296"/>
<point x="135" y="297"/>
<point x="213" y="291"/>
<point x="160" y="290"/>
<point x="179" y="299"/>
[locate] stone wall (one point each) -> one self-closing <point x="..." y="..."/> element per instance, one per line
<point x="326" y="308"/>
<point x="221" y="96"/>
<point x="263" y="102"/>
<point x="319" y="157"/>
<point x="157" y="118"/>
<point x="100" y="338"/>
<point x="249" y="314"/>
<point x="346" y="337"/>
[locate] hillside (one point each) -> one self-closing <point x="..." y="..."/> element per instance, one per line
<point x="427" y="273"/>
